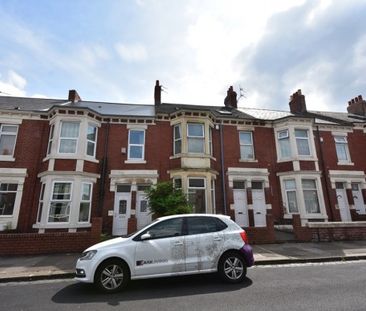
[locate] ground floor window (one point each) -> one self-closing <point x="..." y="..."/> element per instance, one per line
<point x="310" y="196"/>
<point x="8" y="194"/>
<point x="60" y="202"/>
<point x="197" y="194"/>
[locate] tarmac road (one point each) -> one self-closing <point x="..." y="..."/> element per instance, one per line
<point x="316" y="286"/>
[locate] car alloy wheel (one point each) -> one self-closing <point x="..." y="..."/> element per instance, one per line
<point x="112" y="275"/>
<point x="232" y="267"/>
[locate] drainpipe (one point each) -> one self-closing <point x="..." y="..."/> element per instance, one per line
<point x="103" y="173"/>
<point x="223" y="169"/>
<point x="324" y="172"/>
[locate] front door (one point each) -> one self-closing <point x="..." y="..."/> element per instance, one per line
<point x="358" y="199"/>
<point x="122" y="212"/>
<point x="143" y="213"/>
<point x="259" y="204"/>
<point x="343" y="202"/>
<point x="241" y="207"/>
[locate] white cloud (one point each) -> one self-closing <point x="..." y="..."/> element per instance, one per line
<point x="131" y="52"/>
<point x="92" y="54"/>
<point x="13" y="84"/>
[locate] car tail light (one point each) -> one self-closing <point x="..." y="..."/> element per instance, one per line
<point x="244" y="237"/>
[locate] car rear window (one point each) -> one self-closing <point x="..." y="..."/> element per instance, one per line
<point x="199" y="225"/>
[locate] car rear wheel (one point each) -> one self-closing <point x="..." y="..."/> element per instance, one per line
<point x="232" y="267"/>
<point x="112" y="276"/>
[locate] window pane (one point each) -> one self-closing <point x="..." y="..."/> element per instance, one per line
<point x="285" y="149"/>
<point x="195" y="129"/>
<point x="59" y="212"/>
<point x="137" y="137"/>
<point x="7" y="143"/>
<point x="292" y="203"/>
<point x="61" y="191"/>
<point x="7" y="203"/>
<point x="123" y="188"/>
<point x="282" y="134"/>
<point x="67" y="145"/>
<point x="143" y="206"/>
<point x="246" y="152"/>
<point x="177" y="146"/>
<point x="9" y="128"/>
<point x="136" y="152"/>
<point x="86" y="192"/>
<point x="311" y="201"/>
<point x="257" y="185"/>
<point x="238" y="184"/>
<point x="197" y="183"/>
<point x="301" y="133"/>
<point x="290" y="184"/>
<point x="341" y="152"/>
<point x="195" y="145"/>
<point x="177" y="183"/>
<point x="303" y="146"/>
<point x="90" y="148"/>
<point x="84" y="211"/>
<point x="167" y="228"/>
<point x="308" y="184"/>
<point x="177" y="132"/>
<point x="92" y="131"/>
<point x="197" y="199"/>
<point x="199" y="225"/>
<point x="70" y="129"/>
<point x="245" y="138"/>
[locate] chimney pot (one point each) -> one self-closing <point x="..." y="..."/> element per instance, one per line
<point x="359" y="97"/>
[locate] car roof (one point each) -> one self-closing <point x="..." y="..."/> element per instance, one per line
<point x="194" y="215"/>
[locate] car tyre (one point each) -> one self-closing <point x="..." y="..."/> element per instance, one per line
<point x="232" y="267"/>
<point x="112" y="276"/>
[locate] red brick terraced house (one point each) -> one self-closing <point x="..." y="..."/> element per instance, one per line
<point x="71" y="169"/>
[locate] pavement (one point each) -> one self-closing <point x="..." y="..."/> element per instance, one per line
<point x="58" y="266"/>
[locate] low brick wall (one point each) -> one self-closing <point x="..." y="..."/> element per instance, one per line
<point x="262" y="235"/>
<point x="328" y="231"/>
<point x="50" y="242"/>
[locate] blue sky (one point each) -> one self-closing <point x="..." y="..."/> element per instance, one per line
<point x="115" y="50"/>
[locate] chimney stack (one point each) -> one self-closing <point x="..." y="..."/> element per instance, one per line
<point x="230" y="100"/>
<point x="357" y="105"/>
<point x="297" y="103"/>
<point x="157" y="93"/>
<point x="74" y="96"/>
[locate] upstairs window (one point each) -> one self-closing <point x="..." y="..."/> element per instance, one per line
<point x="91" y="138"/>
<point x="50" y="139"/>
<point x="246" y="146"/>
<point x="284" y="143"/>
<point x="136" y="144"/>
<point x="196" y="138"/>
<point x="69" y="137"/>
<point x="177" y="139"/>
<point x="8" y="134"/>
<point x="341" y="144"/>
<point x="302" y="142"/>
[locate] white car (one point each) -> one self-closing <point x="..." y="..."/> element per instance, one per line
<point x="170" y="246"/>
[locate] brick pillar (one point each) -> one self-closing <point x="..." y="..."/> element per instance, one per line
<point x="132" y="224"/>
<point x="251" y="218"/>
<point x="350" y="197"/>
<point x="270" y="228"/>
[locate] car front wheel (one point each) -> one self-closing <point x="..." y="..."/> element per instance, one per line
<point x="112" y="276"/>
<point x="232" y="268"/>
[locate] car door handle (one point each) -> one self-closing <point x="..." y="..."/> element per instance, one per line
<point x="217" y="238"/>
<point x="178" y="243"/>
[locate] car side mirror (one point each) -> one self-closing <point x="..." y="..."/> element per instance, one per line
<point x="145" y="236"/>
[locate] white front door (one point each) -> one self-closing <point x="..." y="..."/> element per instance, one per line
<point x="143" y="213"/>
<point x="259" y="205"/>
<point x="122" y="212"/>
<point x="358" y="199"/>
<point x="241" y="207"/>
<point x="343" y="202"/>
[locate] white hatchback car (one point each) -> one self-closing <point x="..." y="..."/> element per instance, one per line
<point x="170" y="246"/>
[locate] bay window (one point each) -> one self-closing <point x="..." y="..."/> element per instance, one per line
<point x="197" y="194"/>
<point x="91" y="138"/>
<point x="310" y="196"/>
<point x="177" y="139"/>
<point x="60" y="202"/>
<point x="302" y="142"/>
<point x="69" y="137"/>
<point x="284" y="143"/>
<point x="85" y="202"/>
<point x="290" y="189"/>
<point x="196" y="138"/>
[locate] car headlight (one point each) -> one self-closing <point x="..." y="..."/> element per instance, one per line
<point x="88" y="255"/>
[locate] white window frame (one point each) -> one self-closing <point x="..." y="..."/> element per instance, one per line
<point x="61" y="138"/>
<point x="86" y="201"/>
<point x="9" y="156"/>
<point x="251" y="145"/>
<point x="59" y="200"/>
<point x="300" y="138"/>
<point x="191" y="137"/>
<point x="283" y="138"/>
<point x="136" y="145"/>
<point x="51" y="139"/>
<point x="310" y="189"/>
<point x="286" y="196"/>
<point x="210" y="145"/>
<point x="41" y="203"/>
<point x="177" y="140"/>
<point x="198" y="188"/>
<point x="9" y="191"/>
<point x="89" y="141"/>
<point x="341" y="140"/>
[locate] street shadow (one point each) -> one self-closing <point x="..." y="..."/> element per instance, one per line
<point x="149" y="289"/>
